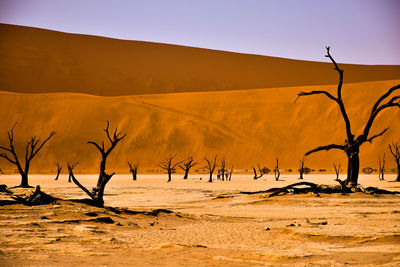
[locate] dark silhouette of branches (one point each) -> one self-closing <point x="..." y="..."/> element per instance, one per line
<point x="211" y="167"/>
<point x="169" y="166"/>
<point x="187" y="165"/>
<point x="352" y="144"/>
<point x="97" y="192"/>
<point x="395" y="151"/>
<point x="33" y="146"/>
<point x="133" y="168"/>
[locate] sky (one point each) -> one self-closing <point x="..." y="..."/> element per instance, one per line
<point x="358" y="31"/>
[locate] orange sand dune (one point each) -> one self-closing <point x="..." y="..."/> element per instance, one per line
<point x="246" y="126"/>
<point x="43" y="61"/>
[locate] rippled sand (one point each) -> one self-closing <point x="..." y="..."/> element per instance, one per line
<point x="195" y="223"/>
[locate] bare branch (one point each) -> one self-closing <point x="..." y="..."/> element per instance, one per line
<point x="71" y="174"/>
<point x="33" y="151"/>
<point x="3" y="155"/>
<point x="327" y="147"/>
<point x="316" y="93"/>
<point x="97" y="146"/>
<point x="377" y="135"/>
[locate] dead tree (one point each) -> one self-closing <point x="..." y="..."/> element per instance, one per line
<point x="31" y="150"/>
<point x="381" y="170"/>
<point x="302" y="169"/>
<point x="97" y="192"/>
<point x="169" y="166"/>
<point x="211" y="167"/>
<point x="223" y="169"/>
<point x="59" y="168"/>
<point x="262" y="171"/>
<point x="337" y="171"/>
<point x="277" y="172"/>
<point x="133" y="168"/>
<point x="395" y="150"/>
<point x="352" y="143"/>
<point x="1" y="171"/>
<point x="186" y="166"/>
<point x="230" y="174"/>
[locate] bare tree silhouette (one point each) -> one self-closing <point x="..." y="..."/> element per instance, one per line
<point x="381" y="170"/>
<point x="223" y="169"/>
<point x="352" y="144"/>
<point x="302" y="169"/>
<point x="169" y="166"/>
<point x="277" y="172"/>
<point x="33" y="146"/>
<point x="395" y="150"/>
<point x="211" y="167"/>
<point x="59" y="168"/>
<point x="262" y="171"/>
<point x="337" y="171"/>
<point x="97" y="192"/>
<point x="186" y="166"/>
<point x="133" y="168"/>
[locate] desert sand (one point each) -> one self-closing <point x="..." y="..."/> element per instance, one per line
<point x="202" y="224"/>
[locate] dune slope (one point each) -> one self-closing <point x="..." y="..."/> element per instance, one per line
<point x="245" y="126"/>
<point x="42" y="61"/>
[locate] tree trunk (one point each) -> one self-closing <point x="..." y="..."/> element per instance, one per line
<point x="398" y="172"/>
<point x="169" y="176"/>
<point x="134" y="175"/>
<point x="353" y="169"/>
<point x="210" y="180"/>
<point x="301" y="175"/>
<point x="186" y="174"/>
<point x="24" y="180"/>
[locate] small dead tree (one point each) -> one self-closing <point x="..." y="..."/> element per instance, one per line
<point x="352" y="143"/>
<point x="169" y="166"/>
<point x="133" y="168"/>
<point x="186" y="166"/>
<point x="97" y="192"/>
<point x="1" y="171"/>
<point x="302" y="169"/>
<point x="277" y="172"/>
<point x="262" y="171"/>
<point x="31" y="150"/>
<point x="230" y="174"/>
<point x="381" y="170"/>
<point x="223" y="169"/>
<point x="395" y="151"/>
<point x="211" y="167"/>
<point x="337" y="171"/>
<point x="59" y="168"/>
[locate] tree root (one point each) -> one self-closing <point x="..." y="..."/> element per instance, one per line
<point x="307" y="187"/>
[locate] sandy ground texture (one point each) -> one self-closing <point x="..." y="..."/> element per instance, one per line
<point x="195" y="223"/>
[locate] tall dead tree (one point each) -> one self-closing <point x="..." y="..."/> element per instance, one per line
<point x="352" y="144"/>
<point x="59" y="168"/>
<point x="337" y="171"/>
<point x="186" y="166"/>
<point x="169" y="166"/>
<point x="277" y="172"/>
<point x="395" y="150"/>
<point x="133" y="168"/>
<point x="97" y="192"/>
<point x="211" y="167"/>
<point x="31" y="150"/>
<point x="381" y="170"/>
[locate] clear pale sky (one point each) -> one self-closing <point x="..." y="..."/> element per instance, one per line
<point x="359" y="31"/>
